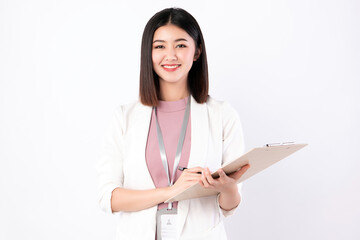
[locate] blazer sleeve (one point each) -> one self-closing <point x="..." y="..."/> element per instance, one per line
<point x="233" y="142"/>
<point x="110" y="165"/>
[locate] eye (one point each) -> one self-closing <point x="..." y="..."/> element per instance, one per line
<point x="181" y="46"/>
<point x="159" y="47"/>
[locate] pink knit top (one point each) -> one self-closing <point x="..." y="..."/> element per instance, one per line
<point x="170" y="116"/>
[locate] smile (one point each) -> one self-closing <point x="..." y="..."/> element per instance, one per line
<point x="171" y="68"/>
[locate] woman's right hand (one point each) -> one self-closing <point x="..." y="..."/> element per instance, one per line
<point x="188" y="177"/>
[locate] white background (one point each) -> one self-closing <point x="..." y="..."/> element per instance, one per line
<point x="290" y="68"/>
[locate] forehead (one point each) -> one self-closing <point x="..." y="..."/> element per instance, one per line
<point x="171" y="33"/>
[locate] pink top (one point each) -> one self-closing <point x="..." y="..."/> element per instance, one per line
<point x="170" y="116"/>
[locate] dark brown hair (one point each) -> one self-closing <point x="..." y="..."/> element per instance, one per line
<point x="198" y="82"/>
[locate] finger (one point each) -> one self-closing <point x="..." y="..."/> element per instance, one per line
<point x="236" y="175"/>
<point x="192" y="176"/>
<point x="222" y="175"/>
<point x="209" y="178"/>
<point x="194" y="170"/>
<point x="201" y="183"/>
<point x="204" y="180"/>
<point x="195" y="178"/>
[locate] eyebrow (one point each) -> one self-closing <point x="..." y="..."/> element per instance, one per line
<point x="177" y="40"/>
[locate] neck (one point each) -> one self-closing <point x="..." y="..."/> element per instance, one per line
<point x="172" y="92"/>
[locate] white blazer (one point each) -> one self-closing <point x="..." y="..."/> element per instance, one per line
<point x="216" y="137"/>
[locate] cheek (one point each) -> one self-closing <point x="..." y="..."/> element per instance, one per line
<point x="156" y="58"/>
<point x="188" y="56"/>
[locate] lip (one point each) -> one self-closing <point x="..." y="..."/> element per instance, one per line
<point x="170" y="67"/>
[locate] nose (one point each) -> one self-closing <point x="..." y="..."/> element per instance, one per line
<point x="170" y="55"/>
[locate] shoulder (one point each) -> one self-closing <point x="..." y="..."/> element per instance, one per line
<point x="131" y="108"/>
<point x="223" y="107"/>
<point x="130" y="114"/>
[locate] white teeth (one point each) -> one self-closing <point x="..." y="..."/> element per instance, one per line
<point x="175" y="66"/>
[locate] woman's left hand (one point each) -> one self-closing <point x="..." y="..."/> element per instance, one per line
<point x="225" y="183"/>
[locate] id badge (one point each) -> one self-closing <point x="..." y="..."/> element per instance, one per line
<point x="166" y="224"/>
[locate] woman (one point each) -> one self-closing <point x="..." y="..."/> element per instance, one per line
<point x="174" y="124"/>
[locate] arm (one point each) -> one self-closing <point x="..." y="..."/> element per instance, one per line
<point x="136" y="200"/>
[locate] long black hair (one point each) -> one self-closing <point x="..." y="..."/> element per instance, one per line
<point x="198" y="82"/>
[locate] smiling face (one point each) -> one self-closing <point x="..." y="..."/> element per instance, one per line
<point x="173" y="54"/>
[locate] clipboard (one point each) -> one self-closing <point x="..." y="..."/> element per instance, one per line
<point x="259" y="159"/>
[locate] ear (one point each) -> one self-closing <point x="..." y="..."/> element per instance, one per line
<point x="197" y="53"/>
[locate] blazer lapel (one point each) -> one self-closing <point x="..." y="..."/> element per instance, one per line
<point x="199" y="134"/>
<point x="198" y="151"/>
<point x="143" y="124"/>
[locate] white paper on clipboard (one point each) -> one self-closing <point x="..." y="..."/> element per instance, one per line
<point x="259" y="159"/>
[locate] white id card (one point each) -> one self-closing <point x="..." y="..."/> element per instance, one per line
<point x="167" y="224"/>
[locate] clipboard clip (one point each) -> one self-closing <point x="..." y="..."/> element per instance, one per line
<point x="278" y="144"/>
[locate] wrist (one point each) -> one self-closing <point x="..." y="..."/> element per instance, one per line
<point x="231" y="190"/>
<point x="229" y="199"/>
<point x="168" y="192"/>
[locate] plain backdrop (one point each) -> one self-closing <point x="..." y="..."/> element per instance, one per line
<point x="290" y="68"/>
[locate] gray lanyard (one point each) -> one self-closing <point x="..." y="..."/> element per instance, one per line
<point x="179" y="146"/>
